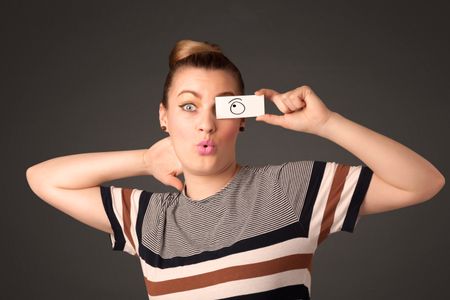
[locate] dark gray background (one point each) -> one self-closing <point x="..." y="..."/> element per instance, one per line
<point x="87" y="76"/>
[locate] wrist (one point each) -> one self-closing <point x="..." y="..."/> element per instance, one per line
<point x="326" y="130"/>
<point x="145" y="162"/>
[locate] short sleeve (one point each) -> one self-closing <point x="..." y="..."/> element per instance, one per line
<point x="125" y="208"/>
<point x="326" y="195"/>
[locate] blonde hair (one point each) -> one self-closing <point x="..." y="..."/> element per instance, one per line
<point x="184" y="48"/>
<point x="200" y="55"/>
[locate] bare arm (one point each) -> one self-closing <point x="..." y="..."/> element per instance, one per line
<point x="401" y="176"/>
<point x="71" y="183"/>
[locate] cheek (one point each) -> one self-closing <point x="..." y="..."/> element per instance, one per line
<point x="181" y="135"/>
<point x="178" y="126"/>
<point x="230" y="132"/>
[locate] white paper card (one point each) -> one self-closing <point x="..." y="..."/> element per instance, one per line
<point x="239" y="106"/>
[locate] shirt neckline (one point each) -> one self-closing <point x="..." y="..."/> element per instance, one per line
<point x="231" y="183"/>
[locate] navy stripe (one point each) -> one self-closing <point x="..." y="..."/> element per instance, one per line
<point x="311" y="195"/>
<point x="119" y="238"/>
<point x="298" y="291"/>
<point x="291" y="231"/>
<point x="357" y="199"/>
<point x="143" y="204"/>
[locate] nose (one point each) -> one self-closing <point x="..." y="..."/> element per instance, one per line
<point x="207" y="121"/>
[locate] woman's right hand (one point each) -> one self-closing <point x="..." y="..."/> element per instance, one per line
<point x="163" y="163"/>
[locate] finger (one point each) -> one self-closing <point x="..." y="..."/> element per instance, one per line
<point x="304" y="91"/>
<point x="271" y="119"/>
<point x="269" y="93"/>
<point x="178" y="170"/>
<point x="175" y="182"/>
<point x="283" y="104"/>
<point x="290" y="103"/>
<point x="296" y="103"/>
<point x="278" y="99"/>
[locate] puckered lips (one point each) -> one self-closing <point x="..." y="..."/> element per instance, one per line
<point x="206" y="147"/>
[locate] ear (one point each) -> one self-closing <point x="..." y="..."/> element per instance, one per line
<point x="162" y="115"/>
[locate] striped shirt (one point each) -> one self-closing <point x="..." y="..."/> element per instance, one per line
<point x="253" y="239"/>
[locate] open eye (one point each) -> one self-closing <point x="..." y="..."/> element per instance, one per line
<point x="237" y="107"/>
<point x="189" y="105"/>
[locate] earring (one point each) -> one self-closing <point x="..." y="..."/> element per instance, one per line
<point x="163" y="128"/>
<point x="242" y="128"/>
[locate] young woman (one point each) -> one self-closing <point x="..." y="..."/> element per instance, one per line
<point x="231" y="230"/>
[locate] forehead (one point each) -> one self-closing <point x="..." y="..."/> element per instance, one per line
<point x="203" y="81"/>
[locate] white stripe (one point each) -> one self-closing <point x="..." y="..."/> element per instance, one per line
<point x="116" y="195"/>
<point x="346" y="196"/>
<point x="135" y="193"/>
<point x="244" y="286"/>
<point x="321" y="201"/>
<point x="290" y="247"/>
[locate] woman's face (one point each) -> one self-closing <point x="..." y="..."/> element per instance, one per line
<point x="191" y="118"/>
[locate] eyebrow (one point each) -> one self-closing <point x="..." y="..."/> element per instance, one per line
<point x="227" y="93"/>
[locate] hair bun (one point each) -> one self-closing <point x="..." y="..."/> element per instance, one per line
<point x="185" y="48"/>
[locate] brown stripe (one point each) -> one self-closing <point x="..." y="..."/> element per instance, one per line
<point x="333" y="199"/>
<point x="286" y="263"/>
<point x="126" y="209"/>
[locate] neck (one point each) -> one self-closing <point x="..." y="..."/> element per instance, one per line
<point x="198" y="187"/>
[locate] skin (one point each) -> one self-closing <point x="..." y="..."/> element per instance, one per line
<point x="401" y="176"/>
<point x="70" y="183"/>
<point x="190" y="118"/>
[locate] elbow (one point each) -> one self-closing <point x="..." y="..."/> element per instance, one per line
<point x="30" y="177"/>
<point x="441" y="182"/>
<point x="435" y="186"/>
<point x="28" y="174"/>
<point x="33" y="172"/>
<point x="33" y="179"/>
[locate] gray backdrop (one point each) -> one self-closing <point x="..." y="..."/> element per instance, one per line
<point x="87" y="76"/>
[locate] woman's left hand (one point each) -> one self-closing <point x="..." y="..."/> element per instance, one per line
<point x="303" y="110"/>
